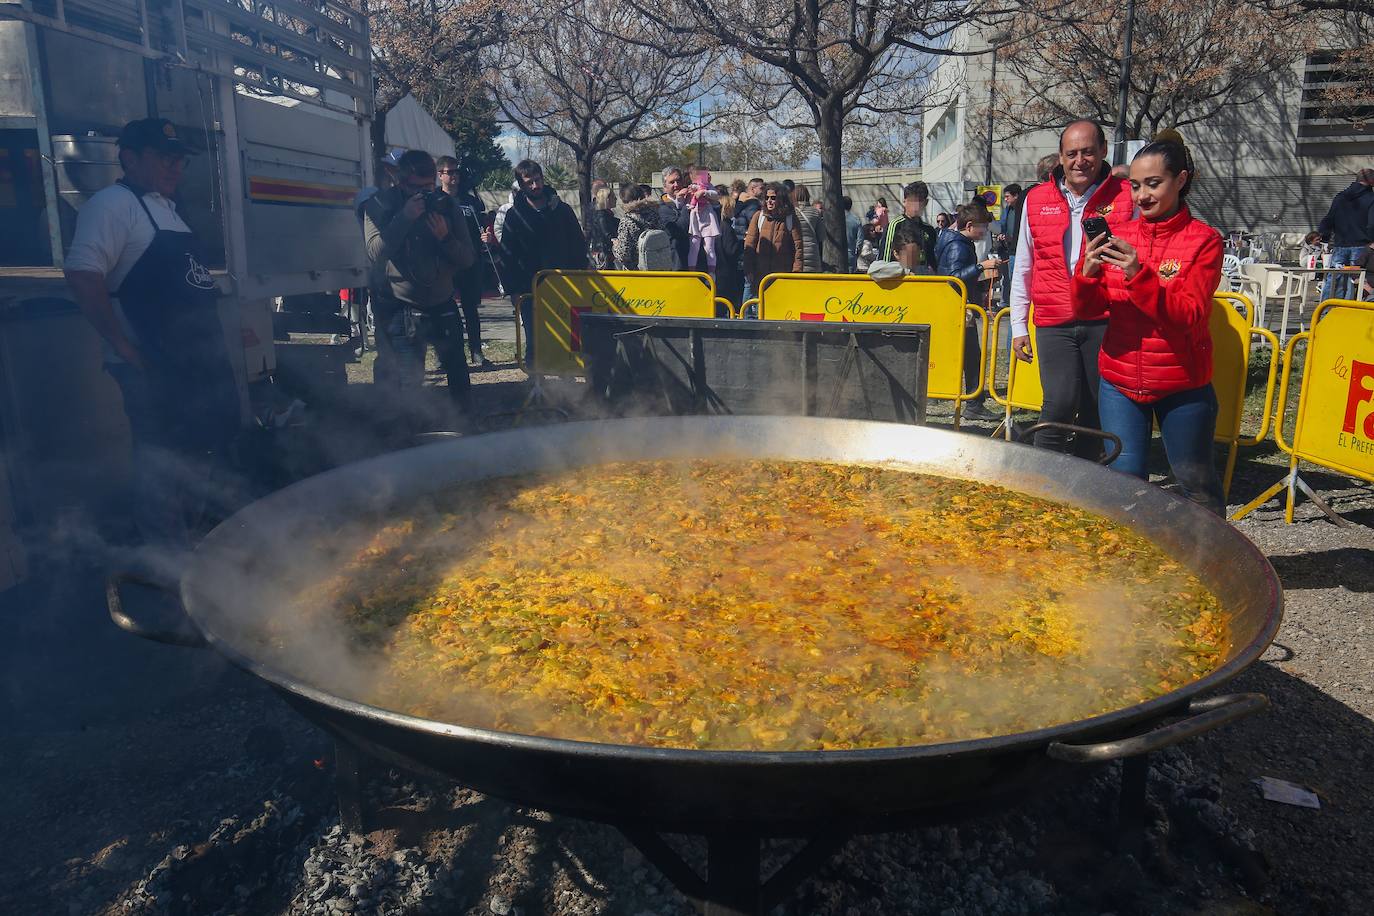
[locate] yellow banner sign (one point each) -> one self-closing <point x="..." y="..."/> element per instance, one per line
<point x="936" y="301"/>
<point x="1335" y="426"/>
<point x="562" y="297"/>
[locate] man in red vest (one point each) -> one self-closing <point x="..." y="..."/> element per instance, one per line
<point x="1047" y="253"/>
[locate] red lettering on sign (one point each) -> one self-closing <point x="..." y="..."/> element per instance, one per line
<point x="576" y="330"/>
<point x="1360" y="392"/>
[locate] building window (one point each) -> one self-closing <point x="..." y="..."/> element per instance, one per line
<point x="942" y="136"/>
<point x="1337" y="106"/>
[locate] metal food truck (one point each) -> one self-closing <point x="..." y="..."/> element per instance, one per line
<point x="277" y="95"/>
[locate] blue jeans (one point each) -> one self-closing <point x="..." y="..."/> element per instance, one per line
<point x="1187" y="421"/>
<point x="1337" y="287"/>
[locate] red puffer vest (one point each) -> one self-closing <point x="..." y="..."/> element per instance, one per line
<point x="1158" y="342"/>
<point x="1047" y="213"/>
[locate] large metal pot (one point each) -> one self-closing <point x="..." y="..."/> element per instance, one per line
<point x="235" y="587"/>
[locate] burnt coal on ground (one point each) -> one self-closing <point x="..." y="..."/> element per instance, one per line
<point x="146" y="779"/>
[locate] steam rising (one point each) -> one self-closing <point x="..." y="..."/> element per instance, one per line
<point x="1045" y="614"/>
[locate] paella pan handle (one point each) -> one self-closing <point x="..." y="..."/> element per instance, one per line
<point x="184" y="635"/>
<point x="1203" y="716"/>
<point x="1111" y="438"/>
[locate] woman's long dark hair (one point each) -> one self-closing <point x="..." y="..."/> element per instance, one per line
<point x="785" y="208"/>
<point x="1170" y="148"/>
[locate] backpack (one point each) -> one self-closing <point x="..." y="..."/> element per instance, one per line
<point x="757" y="221"/>
<point x="657" y="251"/>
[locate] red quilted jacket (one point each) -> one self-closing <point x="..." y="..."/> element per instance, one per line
<point x="1157" y="341"/>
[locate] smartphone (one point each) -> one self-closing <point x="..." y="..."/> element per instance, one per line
<point x="1094" y="226"/>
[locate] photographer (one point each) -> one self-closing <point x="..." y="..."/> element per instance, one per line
<point x="416" y="243"/>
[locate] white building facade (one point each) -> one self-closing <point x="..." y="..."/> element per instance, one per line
<point x="1271" y="166"/>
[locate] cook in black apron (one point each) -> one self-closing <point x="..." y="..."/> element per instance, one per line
<point x="168" y="299"/>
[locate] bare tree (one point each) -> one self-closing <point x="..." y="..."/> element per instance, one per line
<point x="563" y="73"/>
<point x="1189" y="62"/>
<point x="745" y="141"/>
<point x="428" y="47"/>
<point x="881" y="145"/>
<point x="828" y="65"/>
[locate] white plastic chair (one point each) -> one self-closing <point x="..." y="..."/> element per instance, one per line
<point x="1287" y="289"/>
<point x="1230" y="271"/>
<point x="1253" y="281"/>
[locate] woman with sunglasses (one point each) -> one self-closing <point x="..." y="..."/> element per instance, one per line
<point x="773" y="244"/>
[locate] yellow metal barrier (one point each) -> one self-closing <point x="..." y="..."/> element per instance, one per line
<point x="561" y="297"/>
<point x="1023" y="378"/>
<point x="1238" y="301"/>
<point x="1233" y="334"/>
<point x="936" y="301"/>
<point x="1334" y="426"/>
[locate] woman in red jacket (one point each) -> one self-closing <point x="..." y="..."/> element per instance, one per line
<point x="1156" y="278"/>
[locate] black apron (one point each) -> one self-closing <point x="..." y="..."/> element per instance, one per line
<point x="169" y="298"/>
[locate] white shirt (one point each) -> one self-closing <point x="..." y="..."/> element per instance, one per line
<point x="112" y="232"/>
<point x="1073" y="244"/>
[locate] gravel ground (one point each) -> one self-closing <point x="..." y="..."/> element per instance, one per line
<point x="145" y="779"/>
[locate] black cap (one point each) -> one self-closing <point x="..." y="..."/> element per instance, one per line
<point x="153" y="133"/>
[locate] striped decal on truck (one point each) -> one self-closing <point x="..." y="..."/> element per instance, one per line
<point x="299" y="193"/>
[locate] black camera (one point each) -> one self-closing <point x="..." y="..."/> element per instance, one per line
<point x="437" y="201"/>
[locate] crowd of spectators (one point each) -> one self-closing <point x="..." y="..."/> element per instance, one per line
<point x="1106" y="254"/>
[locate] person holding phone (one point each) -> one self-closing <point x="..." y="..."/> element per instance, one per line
<point x="1155" y="277"/>
<point x="1047" y="254"/>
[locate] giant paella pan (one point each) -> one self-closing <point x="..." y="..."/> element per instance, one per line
<point x="700" y="661"/>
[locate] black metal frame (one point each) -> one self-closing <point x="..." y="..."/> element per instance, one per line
<point x="693" y="366"/>
<point x="734" y="883"/>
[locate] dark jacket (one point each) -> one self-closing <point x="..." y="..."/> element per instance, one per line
<point x="1348" y="222"/>
<point x="744" y="212"/>
<point x="1011" y="226"/>
<point x="531" y="240"/>
<point x="408" y="264"/>
<point x="674" y="218"/>
<point x="956" y="256"/>
<point x="472" y="208"/>
<point x="601" y="231"/>
<point x="729" y="257"/>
